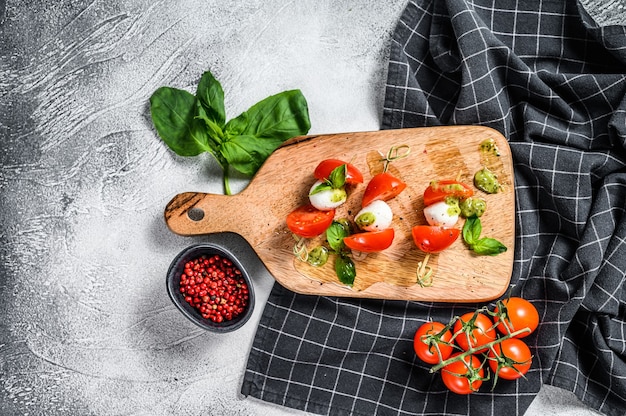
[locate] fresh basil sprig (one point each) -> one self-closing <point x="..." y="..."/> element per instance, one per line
<point x="472" y="229"/>
<point x="344" y="266"/>
<point x="193" y="124"/>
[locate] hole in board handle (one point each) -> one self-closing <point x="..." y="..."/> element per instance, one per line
<point x="195" y="214"/>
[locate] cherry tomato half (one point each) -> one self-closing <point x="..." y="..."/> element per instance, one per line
<point x="308" y="221"/>
<point x="325" y="167"/>
<point x="456" y="375"/>
<point x="370" y="241"/>
<point x="439" y="190"/>
<point x="433" y="238"/>
<point x="510" y="359"/>
<point x="383" y="186"/>
<point x="515" y="314"/>
<point x="474" y="331"/>
<point x="426" y="349"/>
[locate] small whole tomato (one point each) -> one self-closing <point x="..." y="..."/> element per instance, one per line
<point x="463" y="376"/>
<point x="515" y="313"/>
<point x="510" y="359"/>
<point x="325" y="167"/>
<point x="432" y="342"/>
<point x="432" y="238"/>
<point x="383" y="186"/>
<point x="370" y="241"/>
<point x="474" y="330"/>
<point x="307" y="221"/>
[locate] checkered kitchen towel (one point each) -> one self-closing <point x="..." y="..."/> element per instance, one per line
<point x="549" y="79"/>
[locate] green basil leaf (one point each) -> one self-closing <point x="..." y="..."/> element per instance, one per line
<point x="247" y="153"/>
<point x="278" y="117"/>
<point x="324" y="186"/>
<point x="173" y="113"/>
<point x="345" y="269"/>
<point x="335" y="235"/>
<point x="472" y="230"/>
<point x="488" y="246"/>
<point x="211" y="97"/>
<point x="337" y="177"/>
<point x="237" y="126"/>
<point x="215" y="132"/>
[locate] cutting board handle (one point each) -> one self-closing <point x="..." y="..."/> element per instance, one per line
<point x="196" y="213"/>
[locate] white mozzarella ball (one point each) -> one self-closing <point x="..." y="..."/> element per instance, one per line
<point x="442" y="214"/>
<point x="374" y="217"/>
<point x="327" y="199"/>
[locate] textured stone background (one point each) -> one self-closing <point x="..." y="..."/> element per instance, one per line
<point x="87" y="328"/>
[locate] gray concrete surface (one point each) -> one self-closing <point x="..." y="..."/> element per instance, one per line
<point x="87" y="328"/>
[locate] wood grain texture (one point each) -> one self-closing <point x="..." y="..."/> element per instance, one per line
<point x="258" y="214"/>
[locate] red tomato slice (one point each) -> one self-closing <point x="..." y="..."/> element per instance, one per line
<point x="433" y="239"/>
<point x="370" y="241"/>
<point x="353" y="174"/>
<point x="440" y="190"/>
<point x="383" y="186"/>
<point x="308" y="221"/>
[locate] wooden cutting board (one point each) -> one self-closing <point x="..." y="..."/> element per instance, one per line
<point x="258" y="213"/>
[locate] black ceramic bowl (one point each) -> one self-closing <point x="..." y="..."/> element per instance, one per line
<point x="173" y="287"/>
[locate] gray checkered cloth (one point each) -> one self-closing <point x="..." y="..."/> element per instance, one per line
<point x="544" y="75"/>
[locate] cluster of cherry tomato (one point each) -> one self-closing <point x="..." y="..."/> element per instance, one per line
<point x="471" y="345"/>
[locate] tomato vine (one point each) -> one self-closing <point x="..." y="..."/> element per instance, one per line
<point x="465" y="338"/>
